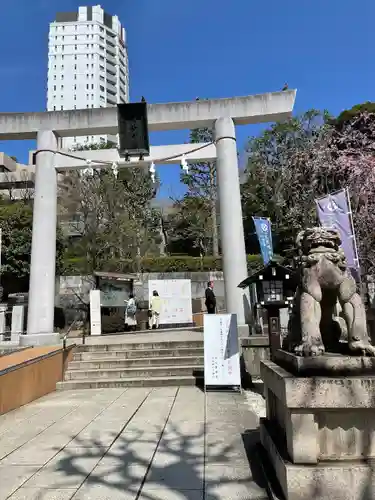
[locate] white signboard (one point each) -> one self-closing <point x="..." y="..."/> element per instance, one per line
<point x="221" y="350"/>
<point x="3" y="308"/>
<point x="17" y="322"/>
<point x="95" y="313"/>
<point x="175" y="297"/>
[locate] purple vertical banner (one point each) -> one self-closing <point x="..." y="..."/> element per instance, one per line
<point x="334" y="212"/>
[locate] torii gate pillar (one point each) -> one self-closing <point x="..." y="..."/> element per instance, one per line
<point x="41" y="307"/>
<point x="231" y="224"/>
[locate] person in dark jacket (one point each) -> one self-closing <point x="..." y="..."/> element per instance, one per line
<point x="210" y="298"/>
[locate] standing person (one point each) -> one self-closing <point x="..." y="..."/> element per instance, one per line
<point x="155" y="308"/>
<point x="131" y="313"/>
<point x="210" y="298"/>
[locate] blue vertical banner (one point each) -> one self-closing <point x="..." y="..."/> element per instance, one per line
<point x="264" y="233"/>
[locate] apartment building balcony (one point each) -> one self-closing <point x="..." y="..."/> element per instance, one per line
<point x="111" y="59"/>
<point x="111" y="70"/>
<point x="111" y="78"/>
<point x="111" y="42"/>
<point x="122" y="80"/>
<point x="111" y="89"/>
<point x="111" y="100"/>
<point x="122" y="71"/>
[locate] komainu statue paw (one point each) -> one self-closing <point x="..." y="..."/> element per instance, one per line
<point x="307" y="349"/>
<point x="361" y="347"/>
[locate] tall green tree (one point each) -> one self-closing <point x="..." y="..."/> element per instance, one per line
<point x="16" y="227"/>
<point x="112" y="217"/>
<point x="293" y="163"/>
<point x="284" y="174"/>
<point x="189" y="226"/>
<point x="201" y="182"/>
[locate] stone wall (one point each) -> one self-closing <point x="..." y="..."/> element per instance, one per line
<point x="74" y="291"/>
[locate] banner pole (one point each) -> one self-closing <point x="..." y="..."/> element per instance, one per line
<point x="354" y="236"/>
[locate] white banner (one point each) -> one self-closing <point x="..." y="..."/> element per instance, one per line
<point x="221" y="350"/>
<point x="95" y="313"/>
<point x="176" y="307"/>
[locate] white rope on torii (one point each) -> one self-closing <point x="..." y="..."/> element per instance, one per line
<point x="114" y="165"/>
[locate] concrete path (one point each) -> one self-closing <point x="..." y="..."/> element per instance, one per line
<point x="134" y="444"/>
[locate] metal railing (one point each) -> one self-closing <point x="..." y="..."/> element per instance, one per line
<point x="70" y="328"/>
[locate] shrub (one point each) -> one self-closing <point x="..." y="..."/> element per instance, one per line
<point x="171" y="264"/>
<point x="113" y="324"/>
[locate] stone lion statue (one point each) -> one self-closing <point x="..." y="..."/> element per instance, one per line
<point x="325" y="281"/>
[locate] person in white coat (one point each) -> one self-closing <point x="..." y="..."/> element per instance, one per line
<point x="131" y="313"/>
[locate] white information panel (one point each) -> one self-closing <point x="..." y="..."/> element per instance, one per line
<point x="221" y="351"/>
<point x="95" y="313"/>
<point x="175" y="297"/>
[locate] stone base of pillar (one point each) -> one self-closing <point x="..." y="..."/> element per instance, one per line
<point x="319" y="432"/>
<point x="38" y="339"/>
<point x="348" y="480"/>
<point x="15" y="337"/>
<point x="244" y="331"/>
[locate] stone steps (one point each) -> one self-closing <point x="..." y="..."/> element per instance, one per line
<point x="102" y="363"/>
<point x="179" y="344"/>
<point x="134" y="372"/>
<point x="147" y="364"/>
<point x="137" y="353"/>
<point x="123" y="383"/>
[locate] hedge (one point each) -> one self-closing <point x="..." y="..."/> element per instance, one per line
<point x="113" y="324"/>
<point x="76" y="266"/>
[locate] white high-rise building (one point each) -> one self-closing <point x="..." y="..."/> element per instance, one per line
<point x="87" y="64"/>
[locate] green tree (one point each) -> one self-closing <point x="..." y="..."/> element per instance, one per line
<point x="111" y="217"/>
<point x="348" y="115"/>
<point x="189" y="227"/>
<point x="202" y="183"/>
<point x="16" y="228"/>
<point x="94" y="146"/>
<point x="285" y="173"/>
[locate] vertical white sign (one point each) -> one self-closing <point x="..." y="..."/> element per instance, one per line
<point x="3" y="309"/>
<point x="95" y="313"/>
<point x="17" y="322"/>
<point x="221" y="351"/>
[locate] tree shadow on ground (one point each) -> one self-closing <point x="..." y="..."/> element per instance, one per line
<point x="150" y="466"/>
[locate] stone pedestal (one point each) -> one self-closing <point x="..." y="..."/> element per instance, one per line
<point x="319" y="433"/>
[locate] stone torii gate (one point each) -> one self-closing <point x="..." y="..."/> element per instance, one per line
<point x="220" y="114"/>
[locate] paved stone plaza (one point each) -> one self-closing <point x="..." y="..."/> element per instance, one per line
<point x="134" y="444"/>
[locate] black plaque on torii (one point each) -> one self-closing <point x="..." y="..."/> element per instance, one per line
<point x="133" y="129"/>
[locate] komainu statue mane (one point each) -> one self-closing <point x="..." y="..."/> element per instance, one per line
<point x="325" y="280"/>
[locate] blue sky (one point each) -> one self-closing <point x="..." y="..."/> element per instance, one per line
<point x="182" y="49"/>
